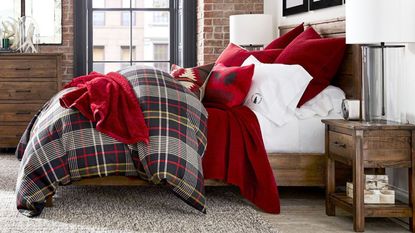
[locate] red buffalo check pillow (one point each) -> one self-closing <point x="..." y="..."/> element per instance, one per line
<point x="193" y="78"/>
<point x="228" y="86"/>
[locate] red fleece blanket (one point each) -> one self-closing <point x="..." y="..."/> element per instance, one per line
<point x="110" y="101"/>
<point x="236" y="155"/>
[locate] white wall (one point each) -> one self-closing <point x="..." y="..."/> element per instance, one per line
<point x="274" y="7"/>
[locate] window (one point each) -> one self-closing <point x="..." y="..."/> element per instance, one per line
<point x="99" y="17"/>
<point x="125" y="53"/>
<point x="126" y="15"/>
<point x="99" y="55"/>
<point x="161" y="53"/>
<point x="125" y="19"/>
<point x="152" y="38"/>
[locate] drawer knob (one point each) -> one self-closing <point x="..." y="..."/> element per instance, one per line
<point x="23" y="91"/>
<point x="23" y="113"/>
<point x="339" y="144"/>
<point x="28" y="68"/>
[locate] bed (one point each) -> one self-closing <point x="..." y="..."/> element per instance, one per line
<point x="303" y="167"/>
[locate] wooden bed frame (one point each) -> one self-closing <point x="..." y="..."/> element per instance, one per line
<point x="290" y="169"/>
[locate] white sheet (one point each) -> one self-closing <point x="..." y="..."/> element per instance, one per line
<point x="297" y="136"/>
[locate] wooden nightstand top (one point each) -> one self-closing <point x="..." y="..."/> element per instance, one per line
<point x="362" y="125"/>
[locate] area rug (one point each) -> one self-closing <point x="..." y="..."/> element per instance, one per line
<point x="126" y="209"/>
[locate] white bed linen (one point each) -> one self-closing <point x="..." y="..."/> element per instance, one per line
<point x="296" y="136"/>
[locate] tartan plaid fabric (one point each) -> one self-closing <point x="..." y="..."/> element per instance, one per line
<point x="60" y="145"/>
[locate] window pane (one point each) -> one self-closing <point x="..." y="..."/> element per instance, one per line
<point x="112" y="36"/>
<point x="125" y="53"/>
<point x="151" y="39"/>
<point x="111" y="3"/>
<point x="99" y="18"/>
<point x="151" y="3"/>
<point x="164" y="66"/>
<point x="9" y="8"/>
<point x="126" y="3"/>
<point x="125" y="18"/>
<point x="99" y="53"/>
<point x="161" y="52"/>
<point x="109" y="67"/>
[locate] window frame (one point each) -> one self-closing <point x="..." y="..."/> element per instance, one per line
<point x="83" y="48"/>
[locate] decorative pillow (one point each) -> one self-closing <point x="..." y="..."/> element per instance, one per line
<point x="193" y="78"/>
<point x="228" y="86"/>
<point x="283" y="41"/>
<point x="276" y="89"/>
<point x="234" y="55"/>
<point x="321" y="57"/>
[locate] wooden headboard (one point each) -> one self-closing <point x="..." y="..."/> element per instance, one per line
<point x="349" y="76"/>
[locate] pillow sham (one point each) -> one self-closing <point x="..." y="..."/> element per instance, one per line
<point x="276" y="89"/>
<point x="327" y="101"/>
<point x="321" y="57"/>
<point x="234" y="55"/>
<point x="228" y="86"/>
<point x="284" y="40"/>
<point x="194" y="78"/>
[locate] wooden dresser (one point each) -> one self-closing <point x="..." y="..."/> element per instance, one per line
<point x="27" y="81"/>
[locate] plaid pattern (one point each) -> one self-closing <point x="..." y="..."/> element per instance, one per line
<point x="60" y="145"/>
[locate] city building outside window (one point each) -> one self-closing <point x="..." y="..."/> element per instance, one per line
<point x="113" y="34"/>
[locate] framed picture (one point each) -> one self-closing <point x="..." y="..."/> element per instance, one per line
<point x="319" y="4"/>
<point x="290" y="7"/>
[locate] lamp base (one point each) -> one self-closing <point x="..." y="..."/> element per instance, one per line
<point x="382" y="78"/>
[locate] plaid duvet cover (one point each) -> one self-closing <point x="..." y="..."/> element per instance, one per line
<point x="60" y="145"/>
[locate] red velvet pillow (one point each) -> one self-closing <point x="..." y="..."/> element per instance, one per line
<point x="233" y="55"/>
<point x="228" y="85"/>
<point x="193" y="78"/>
<point x="283" y="41"/>
<point x="321" y="57"/>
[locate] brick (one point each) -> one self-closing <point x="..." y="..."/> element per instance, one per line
<point x="213" y="24"/>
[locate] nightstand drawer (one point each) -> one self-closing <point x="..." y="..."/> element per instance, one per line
<point x="27" y="90"/>
<point x="17" y="68"/>
<point x="10" y="135"/>
<point x="341" y="144"/>
<point x="18" y="112"/>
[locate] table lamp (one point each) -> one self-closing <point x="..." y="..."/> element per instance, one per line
<point x="381" y="26"/>
<point x="251" y="31"/>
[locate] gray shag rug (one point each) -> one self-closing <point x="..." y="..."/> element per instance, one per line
<point x="126" y="209"/>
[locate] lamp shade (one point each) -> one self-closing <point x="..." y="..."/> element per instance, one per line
<point x="250" y="29"/>
<point x="375" y="21"/>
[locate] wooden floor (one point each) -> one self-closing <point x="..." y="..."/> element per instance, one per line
<point x="302" y="210"/>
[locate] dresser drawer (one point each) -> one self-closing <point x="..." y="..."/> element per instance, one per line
<point x="10" y="135"/>
<point x="18" y="112"/>
<point x="27" y="90"/>
<point x="18" y="68"/>
<point x="341" y="144"/>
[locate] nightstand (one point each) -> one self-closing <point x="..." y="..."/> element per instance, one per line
<point x="368" y="145"/>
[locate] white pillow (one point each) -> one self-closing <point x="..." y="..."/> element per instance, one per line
<point x="327" y="101"/>
<point x="276" y="89"/>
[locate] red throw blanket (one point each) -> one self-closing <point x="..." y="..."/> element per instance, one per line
<point x="110" y="101"/>
<point x="236" y="155"/>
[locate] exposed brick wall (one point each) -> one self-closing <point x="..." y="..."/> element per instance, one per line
<point x="67" y="41"/>
<point x="213" y="24"/>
